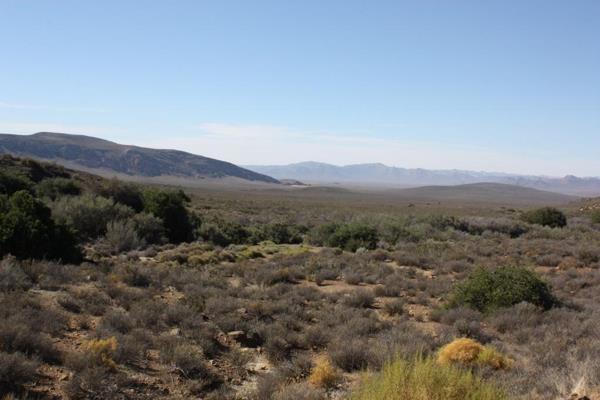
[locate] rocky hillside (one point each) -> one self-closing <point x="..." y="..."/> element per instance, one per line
<point x="92" y="153"/>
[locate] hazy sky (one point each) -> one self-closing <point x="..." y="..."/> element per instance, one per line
<point x="488" y="85"/>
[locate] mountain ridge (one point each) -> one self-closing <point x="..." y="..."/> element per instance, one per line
<point x="99" y="154"/>
<point x="377" y="173"/>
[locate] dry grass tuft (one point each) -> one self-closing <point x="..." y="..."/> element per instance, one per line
<point x="469" y="352"/>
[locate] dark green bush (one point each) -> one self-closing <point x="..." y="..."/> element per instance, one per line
<point x="350" y="236"/>
<point x="123" y="193"/>
<point x="54" y="188"/>
<point x="224" y="233"/>
<point x="28" y="231"/>
<point x="278" y="233"/>
<point x="490" y="289"/>
<point x="353" y="236"/>
<point x="596" y="216"/>
<point x="11" y="182"/>
<point x="169" y="206"/>
<point x="546" y="216"/>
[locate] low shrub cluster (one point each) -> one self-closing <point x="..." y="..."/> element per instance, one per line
<point x="547" y="216"/>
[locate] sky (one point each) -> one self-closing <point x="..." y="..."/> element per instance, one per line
<point x="506" y="85"/>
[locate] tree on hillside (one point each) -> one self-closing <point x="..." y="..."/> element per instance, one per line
<point x="28" y="231"/>
<point x="169" y="206"/>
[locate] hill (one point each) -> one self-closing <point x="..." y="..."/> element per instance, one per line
<point x="485" y="193"/>
<point x="96" y="155"/>
<point x="385" y="175"/>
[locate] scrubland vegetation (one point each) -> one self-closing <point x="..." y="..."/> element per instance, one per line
<point x="115" y="290"/>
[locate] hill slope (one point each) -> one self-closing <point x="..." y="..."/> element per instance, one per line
<point x="97" y="154"/>
<point x="485" y="192"/>
<point x="383" y="174"/>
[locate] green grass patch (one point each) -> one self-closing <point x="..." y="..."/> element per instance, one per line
<point x="424" y="379"/>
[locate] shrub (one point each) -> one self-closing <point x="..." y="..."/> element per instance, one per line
<point x="169" y="206"/>
<point x="278" y="233"/>
<point x="324" y="374"/>
<point x="149" y="228"/>
<point x="89" y="215"/>
<point x="16" y="370"/>
<point x="224" y="233"/>
<point x="423" y="378"/>
<point x="486" y="290"/>
<point x="350" y="237"/>
<point x="351" y="354"/>
<point x="123" y="193"/>
<point x="11" y="182"/>
<point x="468" y="352"/>
<point x="353" y="236"/>
<point x="394" y="307"/>
<point x="298" y="391"/>
<point x="595" y="216"/>
<point x="12" y="276"/>
<point x="101" y="352"/>
<point x="360" y="298"/>
<point x="546" y="216"/>
<point x="54" y="188"/>
<point x="187" y="358"/>
<point x="122" y="236"/>
<point x="18" y="337"/>
<point x="28" y="231"/>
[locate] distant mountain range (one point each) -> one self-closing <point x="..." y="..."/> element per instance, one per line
<point x="98" y="155"/>
<point x="380" y="174"/>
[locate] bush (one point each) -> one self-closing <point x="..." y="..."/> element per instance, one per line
<point x="11" y="182"/>
<point x="278" y="233"/>
<point x="349" y="237"/>
<point x="54" y="188"/>
<point x="89" y="215"/>
<point x="468" y="352"/>
<point x="16" y="370"/>
<point x="423" y="378"/>
<point x="122" y="236"/>
<point x="101" y="352"/>
<point x="12" y="276"/>
<point x="123" y="193"/>
<point x="351" y="354"/>
<point x="360" y="298"/>
<point x="596" y="216"/>
<point x="224" y="233"/>
<point x="547" y="216"/>
<point x="169" y="206"/>
<point x="394" y="307"/>
<point x="353" y="236"/>
<point x="486" y="290"/>
<point x="324" y="374"/>
<point x="149" y="228"/>
<point x="28" y="231"/>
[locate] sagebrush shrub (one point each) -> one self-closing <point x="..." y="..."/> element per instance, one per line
<point x="16" y="370"/>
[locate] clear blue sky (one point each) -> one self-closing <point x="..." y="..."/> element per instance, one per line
<point x="487" y="85"/>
